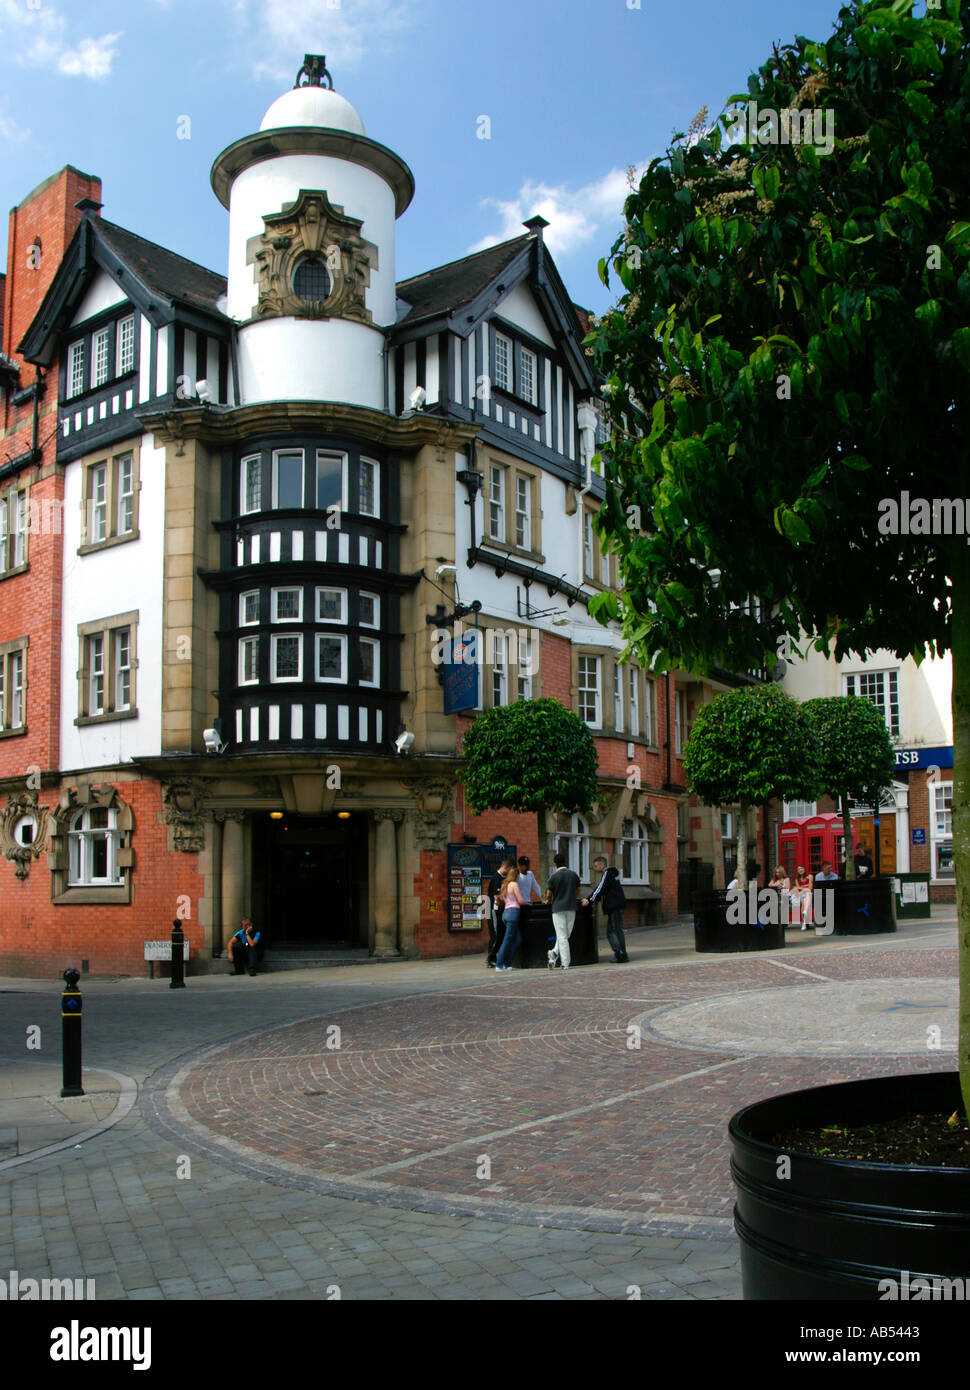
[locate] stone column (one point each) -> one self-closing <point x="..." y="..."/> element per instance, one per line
<point x="214" y="885"/>
<point x="385" y="882"/>
<point x="233" y="874"/>
<point x="902" y="829"/>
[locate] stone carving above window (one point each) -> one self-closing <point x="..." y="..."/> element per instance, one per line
<point x="312" y="247"/>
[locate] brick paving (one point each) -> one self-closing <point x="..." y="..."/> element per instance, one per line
<point x="608" y="1163"/>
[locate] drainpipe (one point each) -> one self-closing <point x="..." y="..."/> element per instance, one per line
<point x="667" y="702"/>
<point x="586" y="421"/>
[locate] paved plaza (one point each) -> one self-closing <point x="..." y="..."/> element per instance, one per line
<point x="433" y="1130"/>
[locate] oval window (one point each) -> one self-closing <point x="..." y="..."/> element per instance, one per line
<point x="311" y="280"/>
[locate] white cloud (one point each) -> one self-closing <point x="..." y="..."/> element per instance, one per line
<point x="576" y="216"/>
<point x="38" y="38"/>
<point x="344" y="30"/>
<point x="10" y="130"/>
<point x="91" y="58"/>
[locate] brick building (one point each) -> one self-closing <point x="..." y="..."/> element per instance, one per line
<point x="236" y="510"/>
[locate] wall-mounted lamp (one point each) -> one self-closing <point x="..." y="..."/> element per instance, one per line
<point x="276" y="815"/>
<point x="343" y="815"/>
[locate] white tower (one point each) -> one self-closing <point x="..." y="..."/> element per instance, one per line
<point x="312" y="205"/>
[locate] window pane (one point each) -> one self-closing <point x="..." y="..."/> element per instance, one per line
<point x="523" y="520"/>
<point x="527" y="382"/>
<point x="4" y="533"/>
<point x="369" y="610"/>
<point x="330" y="658"/>
<point x="330" y="472"/>
<point x="252" y="484"/>
<point x="20" y="533"/>
<point x="125" y="347"/>
<point x="496" y="504"/>
<point x="503" y="362"/>
<point x="249" y="660"/>
<point x="75" y="369"/>
<point x="123" y="668"/>
<point x="311" y="282"/>
<point x="369" y="663"/>
<point x="289" y="480"/>
<point x="100" y="345"/>
<point x="287" y="658"/>
<point x="330" y="605"/>
<point x="126" y="494"/>
<point x="99" y="502"/>
<point x="16" y="690"/>
<point x="249" y="608"/>
<point x="287" y="605"/>
<point x="96" y="675"/>
<point x="99" y="856"/>
<point x="368" y="488"/>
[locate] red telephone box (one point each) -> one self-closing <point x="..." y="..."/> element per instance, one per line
<point x="811" y="840"/>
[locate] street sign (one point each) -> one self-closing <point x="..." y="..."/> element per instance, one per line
<point x="919" y="837"/>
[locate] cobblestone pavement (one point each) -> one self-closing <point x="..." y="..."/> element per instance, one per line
<point x="273" y="1158"/>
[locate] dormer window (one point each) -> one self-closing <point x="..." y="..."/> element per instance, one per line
<point x="311" y="280"/>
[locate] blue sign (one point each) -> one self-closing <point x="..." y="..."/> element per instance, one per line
<point x="919" y="837"/>
<point x="461" y="675"/>
<point x="907" y="758"/>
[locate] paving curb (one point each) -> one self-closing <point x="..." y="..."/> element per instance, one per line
<point x="127" y="1096"/>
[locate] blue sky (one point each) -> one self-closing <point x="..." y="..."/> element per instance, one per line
<point x="575" y="91"/>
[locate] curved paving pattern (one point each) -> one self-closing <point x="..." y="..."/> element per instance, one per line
<point x="528" y="1097"/>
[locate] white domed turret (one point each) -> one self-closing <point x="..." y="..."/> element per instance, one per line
<point x="312" y="204"/>
<point x="313" y="106"/>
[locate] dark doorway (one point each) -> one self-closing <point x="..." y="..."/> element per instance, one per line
<point x="310" y="880"/>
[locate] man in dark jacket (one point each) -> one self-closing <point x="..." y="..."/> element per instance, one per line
<point x="611" y="897"/>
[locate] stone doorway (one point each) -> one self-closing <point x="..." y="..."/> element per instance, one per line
<point x="310" y="880"/>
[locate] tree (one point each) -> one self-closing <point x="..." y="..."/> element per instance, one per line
<point x="789" y="369"/>
<point x="533" y="755"/>
<point x="747" y="747"/>
<point x="856" y="756"/>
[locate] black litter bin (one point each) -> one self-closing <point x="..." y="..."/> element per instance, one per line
<point x="539" y="937"/>
<point x="864" y="906"/>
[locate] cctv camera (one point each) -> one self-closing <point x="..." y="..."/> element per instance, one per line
<point x="417" y="398"/>
<point x="203" y="391"/>
<point x="213" y="743"/>
<point x="404" y="742"/>
<point x="442" y="570"/>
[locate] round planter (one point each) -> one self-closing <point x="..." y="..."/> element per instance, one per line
<point x="864" y="906"/>
<point x="835" y="1228"/>
<point x="713" y="931"/>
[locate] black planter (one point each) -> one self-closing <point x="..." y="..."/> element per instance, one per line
<point x="864" y="906"/>
<point x="713" y="931"/>
<point x="834" y="1228"/>
<point x="538" y="937"/>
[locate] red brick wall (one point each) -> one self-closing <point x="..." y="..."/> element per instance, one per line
<point x="39" y="938"/>
<point x="30" y="603"/>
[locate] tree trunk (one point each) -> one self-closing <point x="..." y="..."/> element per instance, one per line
<point x="742" y="869"/>
<point x="847" y="831"/>
<point x="960" y="652"/>
<point x="543" y="852"/>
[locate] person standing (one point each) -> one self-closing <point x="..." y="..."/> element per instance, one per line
<point x="513" y="900"/>
<point x="528" y="882"/>
<point x="562" y="895"/>
<point x="494" y="920"/>
<point x="611" y="897"/>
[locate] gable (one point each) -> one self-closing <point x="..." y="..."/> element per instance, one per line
<point x="103" y="293"/>
<point x="520" y="308"/>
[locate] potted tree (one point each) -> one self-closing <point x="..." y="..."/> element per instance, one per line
<point x="538" y="756"/>
<point x="746" y="746"/>
<point x="855" y="761"/>
<point x="789" y="367"/>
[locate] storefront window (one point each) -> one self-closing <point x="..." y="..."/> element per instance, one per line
<point x="941" y="830"/>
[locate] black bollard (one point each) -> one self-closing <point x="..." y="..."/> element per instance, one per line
<point x="71" y="1034"/>
<point x="178" y="957"/>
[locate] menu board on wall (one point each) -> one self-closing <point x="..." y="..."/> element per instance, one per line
<point x="469" y="869"/>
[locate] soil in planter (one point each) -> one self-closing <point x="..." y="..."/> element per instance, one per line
<point x="911" y="1141"/>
